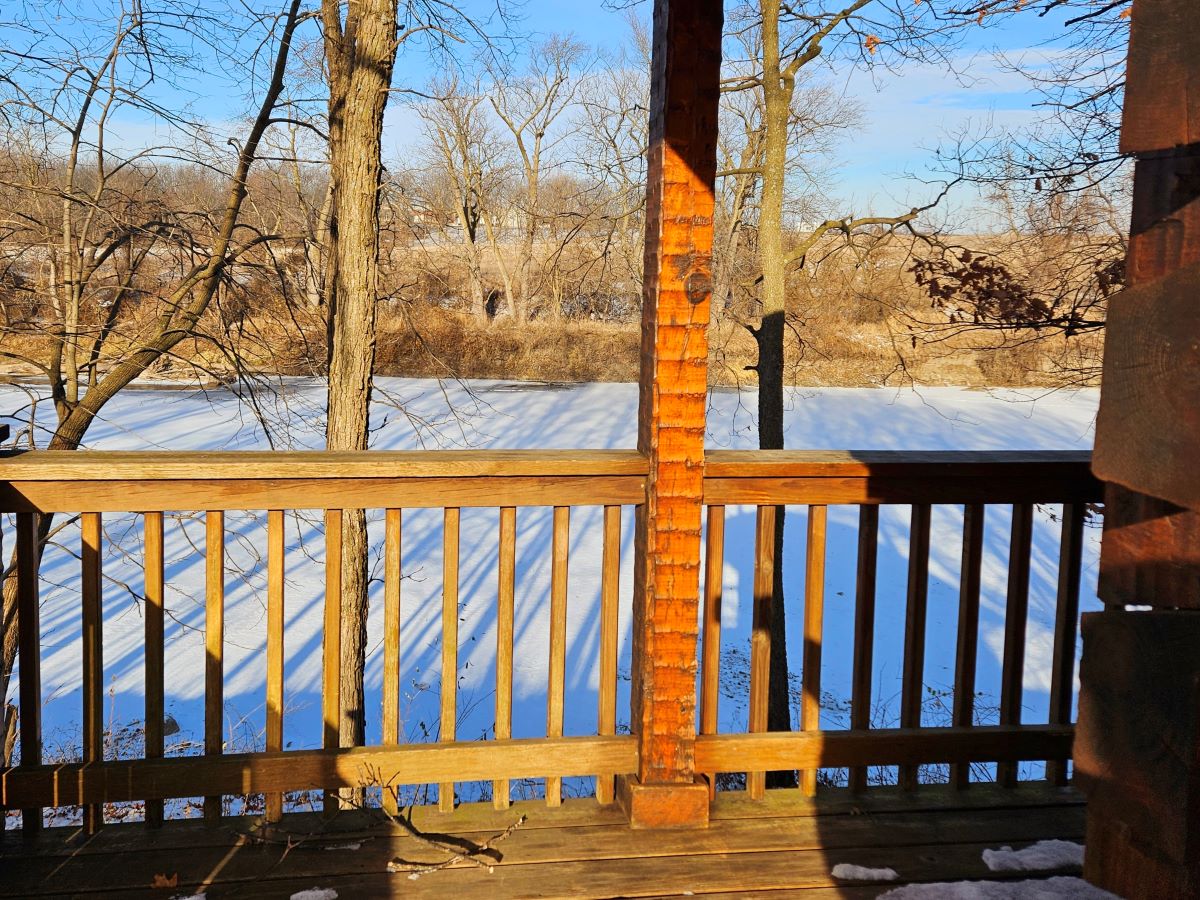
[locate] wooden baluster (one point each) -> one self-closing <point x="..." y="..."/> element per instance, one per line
<point x="506" y="578"/>
<point x="214" y="647"/>
<point x="710" y="660"/>
<point x="610" y="585"/>
<point x="152" y="523"/>
<point x="864" y="630"/>
<point x="331" y="663"/>
<point x="1015" y="615"/>
<point x="1066" y="621"/>
<point x="449" y="684"/>
<point x="275" y="635"/>
<point x="391" y="641"/>
<point x="760" y="635"/>
<point x="814" y="618"/>
<point x="29" y="643"/>
<point x="558" y="639"/>
<point x="968" y="630"/>
<point x="93" y="659"/>
<point x="913" y="685"/>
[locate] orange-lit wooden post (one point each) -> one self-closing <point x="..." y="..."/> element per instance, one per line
<point x="1137" y="746"/>
<point x="685" y="75"/>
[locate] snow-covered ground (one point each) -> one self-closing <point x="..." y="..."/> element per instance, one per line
<point x="424" y="413"/>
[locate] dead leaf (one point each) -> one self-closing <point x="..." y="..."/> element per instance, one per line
<point x="871" y="43"/>
<point x="162" y="881"/>
<point x="1126" y="12"/>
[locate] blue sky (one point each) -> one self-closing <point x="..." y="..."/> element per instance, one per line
<point x="905" y="112"/>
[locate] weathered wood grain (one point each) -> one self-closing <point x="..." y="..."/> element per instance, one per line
<point x="864" y="629"/>
<point x="448" y="684"/>
<point x="906" y="747"/>
<point x="1149" y="555"/>
<point x="710" y="633"/>
<point x="29" y="649"/>
<point x="275" y="648"/>
<point x="92" y="623"/>
<point x="275" y="465"/>
<point x="214" y="647"/>
<point x="760" y="635"/>
<point x="610" y="584"/>
<point x="152" y="524"/>
<point x="328" y="769"/>
<point x="1162" y="81"/>
<point x="505" y="609"/>
<point x="1016" y="618"/>
<point x="320" y="493"/>
<point x="1066" y="622"/>
<point x="928" y="832"/>
<point x="556" y="689"/>
<point x="331" y="646"/>
<point x="673" y="384"/>
<point x="1149" y="420"/>
<point x="912" y="688"/>
<point x="814" y="618"/>
<point x="967" y="643"/>
<point x="1139" y="742"/>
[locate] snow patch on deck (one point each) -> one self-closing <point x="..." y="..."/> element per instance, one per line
<point x="848" y="872"/>
<point x="1060" y="888"/>
<point x="1051" y="854"/>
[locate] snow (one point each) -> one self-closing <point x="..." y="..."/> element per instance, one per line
<point x="316" y="894"/>
<point x="848" y="872"/>
<point x="1059" y="888"/>
<point x="1053" y="854"/>
<point x="414" y="413"/>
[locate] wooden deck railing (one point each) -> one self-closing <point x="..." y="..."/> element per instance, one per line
<point x="94" y="483"/>
<point x="920" y="480"/>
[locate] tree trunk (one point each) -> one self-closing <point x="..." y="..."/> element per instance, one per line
<point x="191" y="299"/>
<point x="360" y="54"/>
<point x="769" y="336"/>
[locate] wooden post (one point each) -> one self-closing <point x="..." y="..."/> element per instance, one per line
<point x="681" y="171"/>
<point x="1137" y="745"/>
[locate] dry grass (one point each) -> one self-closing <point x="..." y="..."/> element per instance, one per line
<point x="439" y="342"/>
<point x="852" y="346"/>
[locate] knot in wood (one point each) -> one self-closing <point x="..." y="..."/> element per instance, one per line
<point x="698" y="287"/>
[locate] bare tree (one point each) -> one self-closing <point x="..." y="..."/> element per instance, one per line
<point x="611" y="128"/>
<point x="1063" y="194"/>
<point x="529" y="106"/>
<point x="465" y="181"/>
<point x="360" y="51"/>
<point x="775" y="45"/>
<point x="66" y="94"/>
<point x="361" y="42"/>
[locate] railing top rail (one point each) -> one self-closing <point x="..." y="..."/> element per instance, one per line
<point x="904" y="476"/>
<point x="114" y="481"/>
<point x="890" y="463"/>
<point x="158" y="465"/>
<point x="124" y="465"/>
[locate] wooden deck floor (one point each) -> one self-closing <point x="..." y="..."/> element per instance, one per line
<point x="782" y="846"/>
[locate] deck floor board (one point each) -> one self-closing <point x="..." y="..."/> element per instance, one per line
<point x="781" y="845"/>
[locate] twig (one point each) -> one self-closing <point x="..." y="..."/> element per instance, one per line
<point x="416" y="870"/>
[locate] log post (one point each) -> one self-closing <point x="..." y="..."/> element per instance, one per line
<point x="1137" y="746"/>
<point x="681" y="170"/>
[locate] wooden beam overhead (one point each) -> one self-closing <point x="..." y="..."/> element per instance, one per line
<point x="1162" y="81"/>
